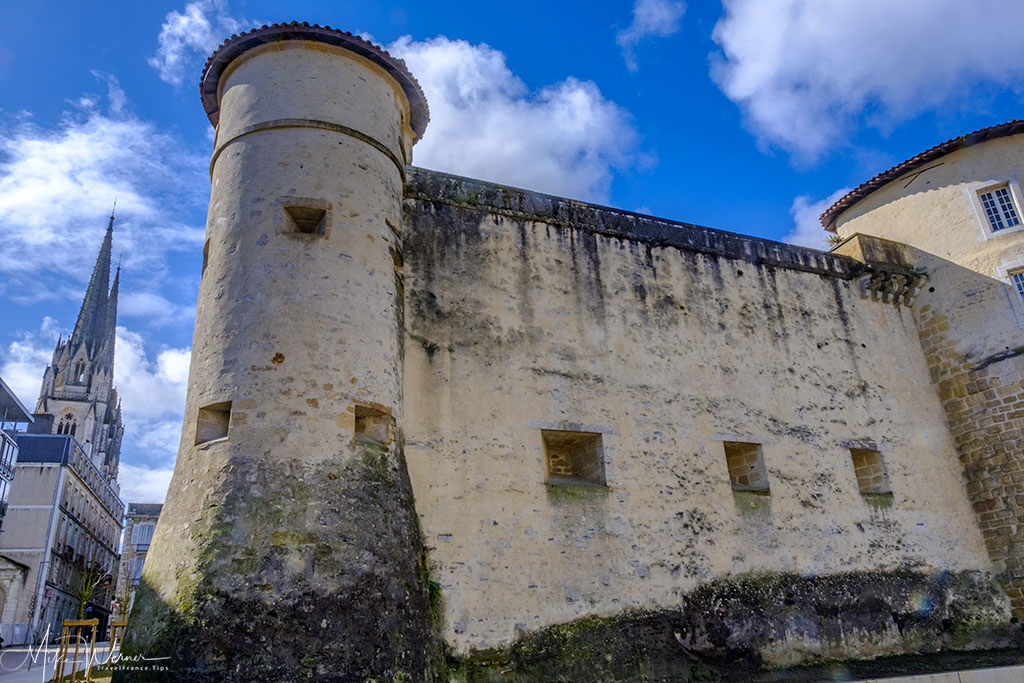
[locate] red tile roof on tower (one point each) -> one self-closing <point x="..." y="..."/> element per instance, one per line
<point x="828" y="219"/>
<point x="242" y="42"/>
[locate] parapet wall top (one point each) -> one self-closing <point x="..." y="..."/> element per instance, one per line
<point x="238" y="44"/>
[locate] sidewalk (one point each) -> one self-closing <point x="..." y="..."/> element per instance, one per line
<point x="15" y="660"/>
<point x="1003" y="674"/>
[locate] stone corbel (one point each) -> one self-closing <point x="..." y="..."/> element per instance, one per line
<point x="892" y="286"/>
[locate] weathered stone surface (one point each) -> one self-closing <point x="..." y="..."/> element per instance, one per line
<point x="731" y="629"/>
<point x="335" y="597"/>
<point x="559" y="385"/>
<point x="971" y="321"/>
<point x="288" y="547"/>
<point x="518" y="320"/>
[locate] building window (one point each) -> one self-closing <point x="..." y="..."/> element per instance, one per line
<point x="1017" y="278"/>
<point x="142" y="534"/>
<point x="574" y="457"/>
<point x="138" y="569"/>
<point x="305" y="216"/>
<point x="306" y="220"/>
<point x="999" y="208"/>
<point x="747" y="471"/>
<point x="79" y="376"/>
<point x="67" y="425"/>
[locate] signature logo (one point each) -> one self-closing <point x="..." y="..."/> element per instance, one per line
<point x="50" y="656"/>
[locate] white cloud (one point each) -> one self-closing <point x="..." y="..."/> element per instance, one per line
<point x="149" y="389"/>
<point x="57" y="186"/>
<point x="25" y="360"/>
<point x="115" y="94"/>
<point x="188" y="37"/>
<point x="156" y="309"/>
<point x="807" y="230"/>
<point x="651" y="19"/>
<point x="805" y="72"/>
<point x="152" y="391"/>
<point x="143" y="484"/>
<point x="485" y="123"/>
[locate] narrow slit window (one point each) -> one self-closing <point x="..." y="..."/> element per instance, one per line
<point x="747" y="470"/>
<point x="1000" y="209"/>
<point x="206" y="257"/>
<point x="373" y="425"/>
<point x="574" y="457"/>
<point x="869" y="467"/>
<point x="212" y="422"/>
<point x="306" y="220"/>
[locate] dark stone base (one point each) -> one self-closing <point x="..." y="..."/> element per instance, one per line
<point x="304" y="573"/>
<point x="738" y="629"/>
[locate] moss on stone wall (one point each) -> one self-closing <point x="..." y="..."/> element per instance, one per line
<point x="276" y="597"/>
<point x="731" y="629"/>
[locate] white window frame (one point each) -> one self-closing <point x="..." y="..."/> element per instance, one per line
<point x="999" y="206"/>
<point x="1005" y="272"/>
<point x="1013" y="188"/>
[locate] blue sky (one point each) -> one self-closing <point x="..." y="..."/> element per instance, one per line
<point x="745" y="115"/>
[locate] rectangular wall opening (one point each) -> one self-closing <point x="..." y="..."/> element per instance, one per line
<point x="747" y="470"/>
<point x="212" y="422"/>
<point x="372" y="425"/>
<point x="869" y="467"/>
<point x="574" y="457"/>
<point x="305" y="220"/>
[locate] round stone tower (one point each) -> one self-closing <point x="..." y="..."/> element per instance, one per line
<point x="955" y="212"/>
<point x="288" y="547"/>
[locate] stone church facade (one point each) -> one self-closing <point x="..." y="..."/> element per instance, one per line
<point x="78" y="397"/>
<point x="442" y="427"/>
<point x="65" y="515"/>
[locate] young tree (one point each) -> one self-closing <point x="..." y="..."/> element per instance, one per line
<point x="94" y="578"/>
<point x="125" y="590"/>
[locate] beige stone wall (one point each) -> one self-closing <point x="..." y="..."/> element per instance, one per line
<point x="290" y="509"/>
<point x="29" y="516"/>
<point x="516" y="326"/>
<point x="971" y="322"/>
<point x="937" y="210"/>
<point x="287" y="338"/>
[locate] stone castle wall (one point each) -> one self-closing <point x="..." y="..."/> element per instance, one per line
<point x="971" y="322"/>
<point x="527" y="314"/>
<point x="435" y="423"/>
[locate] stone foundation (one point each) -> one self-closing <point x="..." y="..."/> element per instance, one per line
<point x="732" y="628"/>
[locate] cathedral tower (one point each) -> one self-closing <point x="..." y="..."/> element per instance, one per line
<point x="78" y="395"/>
<point x="290" y="511"/>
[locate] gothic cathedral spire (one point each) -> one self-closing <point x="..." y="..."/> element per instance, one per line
<point x="78" y="395"/>
<point x="91" y="327"/>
